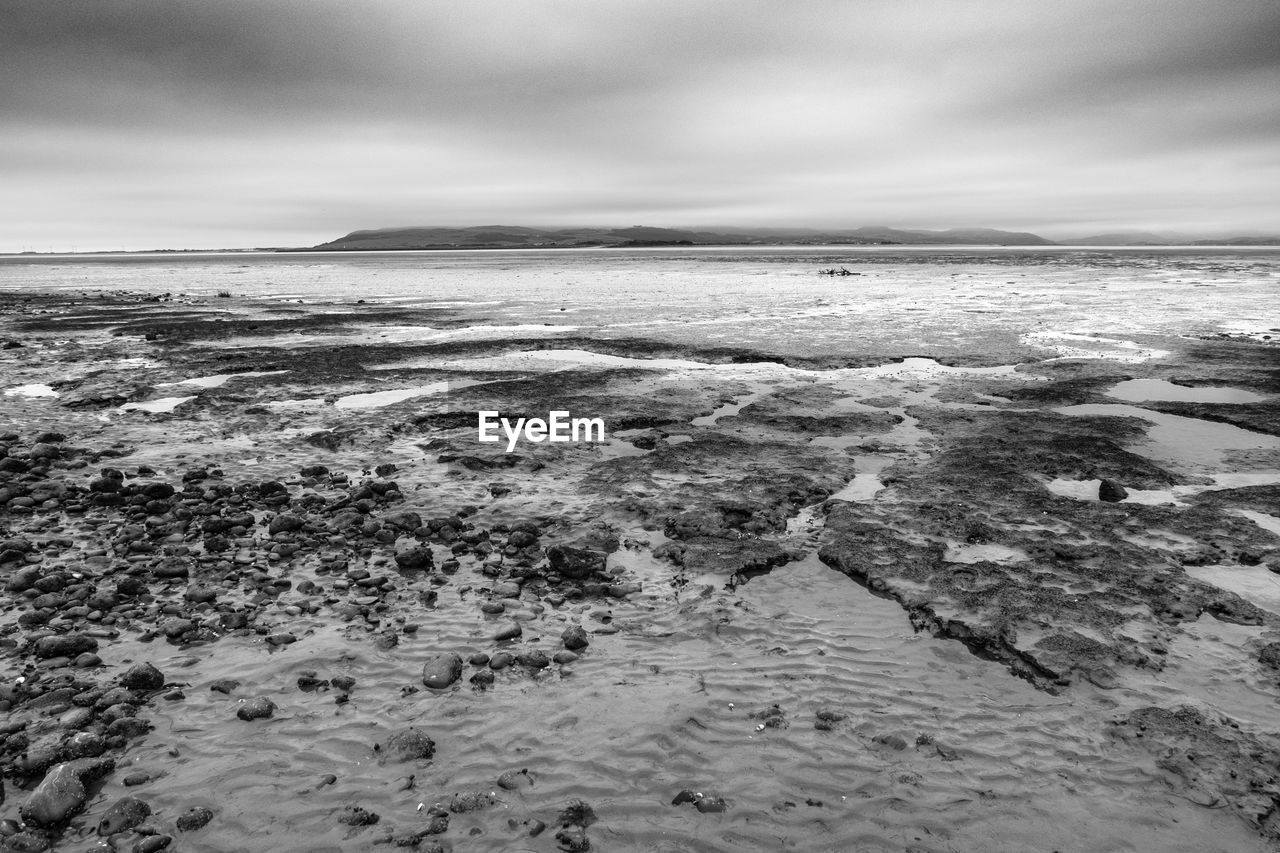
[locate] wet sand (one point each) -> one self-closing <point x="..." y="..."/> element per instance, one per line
<point x="998" y="601"/>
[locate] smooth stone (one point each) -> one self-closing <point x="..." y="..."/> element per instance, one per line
<point x="509" y="632"/>
<point x="125" y="813"/>
<point x="195" y="818"/>
<point x="61" y="794"/>
<point x="442" y="671"/>
<point x="1111" y="491"/>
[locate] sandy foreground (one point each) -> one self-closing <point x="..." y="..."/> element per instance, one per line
<point x="265" y="590"/>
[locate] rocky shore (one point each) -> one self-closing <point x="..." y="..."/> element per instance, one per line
<point x="253" y="560"/>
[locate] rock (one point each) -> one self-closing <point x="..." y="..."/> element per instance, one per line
<point x="573" y="839"/>
<point x="891" y="741"/>
<point x="175" y="628"/>
<point x="442" y="671"/>
<point x="153" y="844"/>
<point x="171" y="567"/>
<point x="158" y="491"/>
<point x="577" y="813"/>
<point x="256" y="709"/>
<point x="564" y="656"/>
<point x="708" y="805"/>
<point x="195" y="818"/>
<point x="403" y="519"/>
<point x="1111" y="491"/>
<point x="125" y="813"/>
<point x="409" y="745"/>
<point x="201" y="594"/>
<point x="284" y="523"/>
<point x="64" y="646"/>
<point x="534" y="659"/>
<point x="357" y="816"/>
<point x="282" y="639"/>
<point x="515" y="780"/>
<point x="1270" y="655"/>
<point x="700" y="801"/>
<point x="142" y="676"/>
<point x="576" y="563"/>
<point x="501" y="661"/>
<point x="416" y="557"/>
<point x="575" y="638"/>
<point x="508" y="632"/>
<point x="61" y="795"/>
<point x="470" y="801"/>
<point x="226" y="686"/>
<point x="521" y="539"/>
<point x="506" y="589"/>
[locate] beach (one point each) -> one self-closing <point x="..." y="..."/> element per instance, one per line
<point x="970" y="549"/>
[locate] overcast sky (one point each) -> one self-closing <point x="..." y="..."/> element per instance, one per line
<point x="222" y="123"/>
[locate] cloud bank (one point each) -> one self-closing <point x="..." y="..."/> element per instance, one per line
<point x="173" y="123"/>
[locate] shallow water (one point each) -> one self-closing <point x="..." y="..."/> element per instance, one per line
<point x="1185" y="443"/>
<point x="663" y="705"/>
<point x="906" y="300"/>
<point x="1142" y="390"/>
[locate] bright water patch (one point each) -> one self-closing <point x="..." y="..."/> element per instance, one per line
<point x="220" y="379"/>
<point x="164" y="404"/>
<point x="1181" y="440"/>
<point x="1142" y="390"/>
<point x="1257" y="584"/>
<point x="34" y="390"/>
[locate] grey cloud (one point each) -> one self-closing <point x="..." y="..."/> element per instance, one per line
<point x="286" y="121"/>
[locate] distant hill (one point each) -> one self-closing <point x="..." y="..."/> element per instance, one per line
<point x="1122" y="238"/>
<point x="1240" y="241"/>
<point x="517" y="237"/>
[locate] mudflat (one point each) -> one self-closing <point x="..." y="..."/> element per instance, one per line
<point x="918" y="586"/>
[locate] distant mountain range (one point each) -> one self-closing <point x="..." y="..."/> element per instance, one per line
<point x="517" y="237"/>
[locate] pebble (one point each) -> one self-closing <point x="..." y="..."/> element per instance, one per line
<point x="409" y="745"/>
<point x="442" y="671"/>
<point x="508" y="632"/>
<point x="193" y="819"/>
<point x="574" y="638"/>
<point x="153" y="844"/>
<point x="142" y="676"/>
<point x="256" y="709"/>
<point x="125" y="813"/>
<point x="515" y="780"/>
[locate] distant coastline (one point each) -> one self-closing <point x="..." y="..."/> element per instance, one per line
<point x="502" y="237"/>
